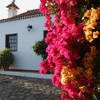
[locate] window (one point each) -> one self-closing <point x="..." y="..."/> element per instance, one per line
<point x="11" y="42"/>
<point x="45" y="33"/>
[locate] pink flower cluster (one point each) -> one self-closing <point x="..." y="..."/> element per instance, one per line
<point x="64" y="39"/>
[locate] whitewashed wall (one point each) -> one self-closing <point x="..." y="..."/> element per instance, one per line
<point x="12" y="12"/>
<point x="25" y="58"/>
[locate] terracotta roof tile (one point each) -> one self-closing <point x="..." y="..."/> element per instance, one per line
<point x="12" y="4"/>
<point x="28" y="14"/>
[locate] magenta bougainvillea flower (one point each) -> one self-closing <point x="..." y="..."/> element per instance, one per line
<point x="71" y="57"/>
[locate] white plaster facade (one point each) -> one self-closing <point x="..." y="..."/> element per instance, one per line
<point x="12" y="11"/>
<point x="25" y="58"/>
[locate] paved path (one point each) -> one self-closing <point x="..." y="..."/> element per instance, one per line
<point x="21" y="88"/>
<point x="27" y="74"/>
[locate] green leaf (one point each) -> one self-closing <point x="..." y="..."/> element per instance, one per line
<point x="94" y="96"/>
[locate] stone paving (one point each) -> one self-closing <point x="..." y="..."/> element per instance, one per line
<point x="21" y="88"/>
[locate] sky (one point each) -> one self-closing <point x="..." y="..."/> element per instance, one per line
<point x="24" y="6"/>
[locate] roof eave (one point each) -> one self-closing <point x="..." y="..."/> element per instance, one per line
<point x="12" y="5"/>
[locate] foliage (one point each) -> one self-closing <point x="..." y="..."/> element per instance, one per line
<point x="73" y="47"/>
<point x="40" y="49"/>
<point x="6" y="58"/>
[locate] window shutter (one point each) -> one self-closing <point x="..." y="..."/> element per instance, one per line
<point x="44" y="34"/>
<point x="7" y="41"/>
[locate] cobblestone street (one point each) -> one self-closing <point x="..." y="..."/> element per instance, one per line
<point x="21" y="88"/>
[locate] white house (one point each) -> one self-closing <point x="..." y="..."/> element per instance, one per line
<point x="19" y="33"/>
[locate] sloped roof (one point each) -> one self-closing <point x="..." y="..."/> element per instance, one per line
<point x="25" y="15"/>
<point x="12" y="5"/>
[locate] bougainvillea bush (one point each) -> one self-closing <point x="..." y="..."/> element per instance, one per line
<point x="73" y="47"/>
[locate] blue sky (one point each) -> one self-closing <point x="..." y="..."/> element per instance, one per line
<point x="24" y="5"/>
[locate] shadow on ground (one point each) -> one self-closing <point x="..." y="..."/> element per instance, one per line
<point x="21" y="88"/>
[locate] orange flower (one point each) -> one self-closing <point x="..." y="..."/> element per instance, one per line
<point x="68" y="74"/>
<point x="93" y="51"/>
<point x="89" y="38"/>
<point x="89" y="72"/>
<point x="87" y="14"/>
<point x="93" y="15"/>
<point x="89" y="58"/>
<point x="82" y="88"/>
<point x="64" y="80"/>
<point x="95" y="34"/>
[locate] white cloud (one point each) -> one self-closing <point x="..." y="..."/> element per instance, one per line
<point x="24" y="5"/>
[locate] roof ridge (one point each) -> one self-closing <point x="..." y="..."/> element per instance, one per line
<point x="24" y="15"/>
<point x="13" y="4"/>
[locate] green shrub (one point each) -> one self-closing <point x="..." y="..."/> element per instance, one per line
<point x="40" y="49"/>
<point x="6" y="58"/>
